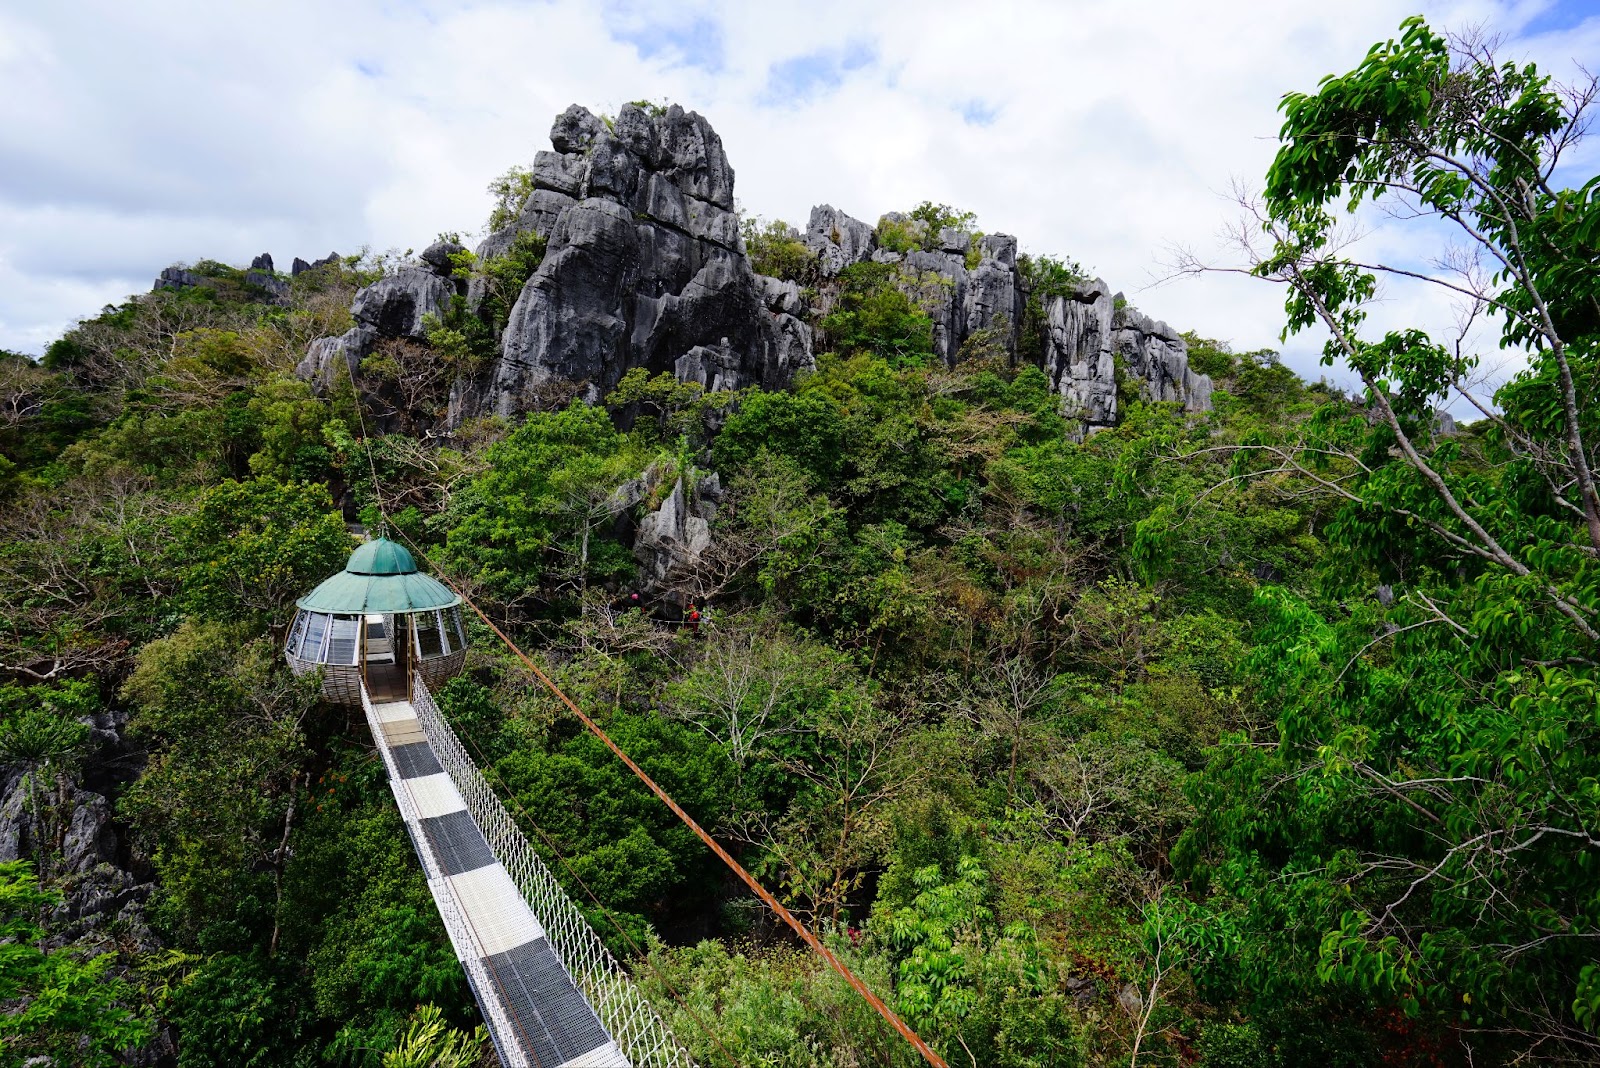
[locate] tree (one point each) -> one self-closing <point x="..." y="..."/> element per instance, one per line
<point x="963" y="977"/>
<point x="752" y="685"/>
<point x="873" y="315"/>
<point x="1435" y="714"/>
<point x="216" y="805"/>
<point x="249" y="548"/>
<point x="540" y="501"/>
<point x="428" y="1042"/>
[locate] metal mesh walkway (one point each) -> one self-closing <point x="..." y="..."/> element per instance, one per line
<point x="552" y="997"/>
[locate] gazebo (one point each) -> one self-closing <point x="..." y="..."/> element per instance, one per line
<point x="375" y="622"/>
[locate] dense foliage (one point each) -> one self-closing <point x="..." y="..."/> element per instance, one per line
<point x="1261" y="737"/>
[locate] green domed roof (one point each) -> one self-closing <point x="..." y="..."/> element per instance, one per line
<point x="381" y="576"/>
<point x="381" y="556"/>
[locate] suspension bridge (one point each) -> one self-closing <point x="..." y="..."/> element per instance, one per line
<point x="382" y="633"/>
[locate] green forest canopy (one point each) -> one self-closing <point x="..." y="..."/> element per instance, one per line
<point x="1263" y="737"/>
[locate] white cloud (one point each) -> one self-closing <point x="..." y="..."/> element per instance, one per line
<point x="136" y="136"/>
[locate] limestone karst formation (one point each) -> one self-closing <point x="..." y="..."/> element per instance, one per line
<point x="645" y="267"/>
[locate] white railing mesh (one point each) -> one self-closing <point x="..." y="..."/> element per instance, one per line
<point x="501" y="1027"/>
<point x="635" y="1026"/>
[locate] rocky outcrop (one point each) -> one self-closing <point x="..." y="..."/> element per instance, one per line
<point x="300" y="266"/>
<point x="1157" y="354"/>
<point x="75" y="829"/>
<point x="1078" y="356"/>
<point x="993" y="295"/>
<point x="837" y="240"/>
<point x="396" y="305"/>
<point x="671" y="539"/>
<point x="1090" y="332"/>
<point x="1086" y="336"/>
<point x="644" y="267"/>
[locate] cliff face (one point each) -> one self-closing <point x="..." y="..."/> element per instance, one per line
<point x="645" y="267"/>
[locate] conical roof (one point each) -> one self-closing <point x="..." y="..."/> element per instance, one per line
<point x="381" y="576"/>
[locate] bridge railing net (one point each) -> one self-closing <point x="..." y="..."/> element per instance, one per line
<point x="459" y="929"/>
<point x="635" y="1026"/>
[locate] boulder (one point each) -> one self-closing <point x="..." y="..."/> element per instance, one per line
<point x="396" y="304"/>
<point x="177" y="278"/>
<point x="322" y="363"/>
<point x="954" y="241"/>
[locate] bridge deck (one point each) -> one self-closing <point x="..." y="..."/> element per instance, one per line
<point x="536" y="1016"/>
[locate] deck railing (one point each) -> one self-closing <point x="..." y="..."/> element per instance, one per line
<point x="456" y="925"/>
<point x="633" y="1023"/>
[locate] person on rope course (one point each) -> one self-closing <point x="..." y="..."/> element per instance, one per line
<point x="691" y="621"/>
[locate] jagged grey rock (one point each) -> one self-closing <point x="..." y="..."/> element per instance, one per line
<point x="298" y="267"/>
<point x="262" y="262"/>
<point x="644" y="264"/>
<point x="672" y="539"/>
<point x="837" y="240"/>
<point x="437" y="256"/>
<point x="276" y="288"/>
<point x="645" y="267"/>
<point x="177" y="278"/>
<point x="937" y="282"/>
<point x="1077" y="356"/>
<point x="78" y="828"/>
<point x="1158" y="354"/>
<point x="1086" y="333"/>
<point x="953" y="240"/>
<point x="396" y="305"/>
<point x="993" y="298"/>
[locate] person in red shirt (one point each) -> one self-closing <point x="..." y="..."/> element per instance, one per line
<point x="692" y="620"/>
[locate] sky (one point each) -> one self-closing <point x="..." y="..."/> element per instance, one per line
<point x="135" y="136"/>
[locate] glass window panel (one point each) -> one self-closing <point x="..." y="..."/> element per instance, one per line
<point x="342" y="645"/>
<point x="458" y="632"/>
<point x="297" y="633"/>
<point x="428" y="642"/>
<point x="316" y="630"/>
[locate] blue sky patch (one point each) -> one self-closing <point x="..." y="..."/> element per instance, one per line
<point x="697" y="42"/>
<point x="1559" y="15"/>
<point x="977" y="112"/>
<point x="805" y="77"/>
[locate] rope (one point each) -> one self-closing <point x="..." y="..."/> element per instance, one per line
<point x="749" y="880"/>
<point x="366" y="441"/>
<point x="611" y="919"/>
<point x="877" y="1003"/>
